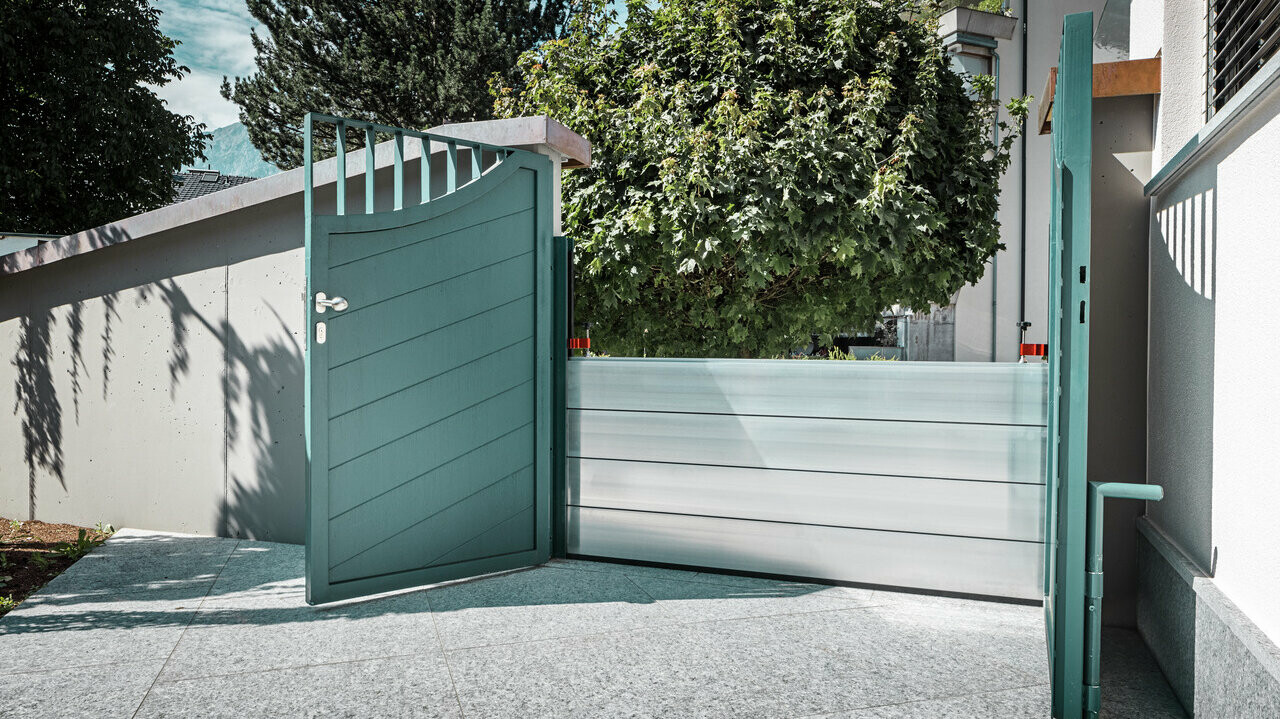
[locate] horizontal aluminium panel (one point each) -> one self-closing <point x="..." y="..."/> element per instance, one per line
<point x="989" y="393"/>
<point x="922" y="561"/>
<point x="913" y="504"/>
<point x="994" y="453"/>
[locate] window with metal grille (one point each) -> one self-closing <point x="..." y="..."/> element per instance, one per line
<point x="1243" y="34"/>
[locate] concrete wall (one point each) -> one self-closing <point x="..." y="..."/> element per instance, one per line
<point x="158" y="383"/>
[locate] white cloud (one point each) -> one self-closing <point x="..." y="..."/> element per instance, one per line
<point x="214" y="37"/>
<point x="198" y="95"/>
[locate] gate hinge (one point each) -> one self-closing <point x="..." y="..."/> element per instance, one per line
<point x="1092" y="699"/>
<point x="1094" y="585"/>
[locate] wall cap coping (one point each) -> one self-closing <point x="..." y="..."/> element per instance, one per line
<point x="1249" y="96"/>
<point x="521" y="132"/>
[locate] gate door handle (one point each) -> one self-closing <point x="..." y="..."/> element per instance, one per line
<point x="338" y="304"/>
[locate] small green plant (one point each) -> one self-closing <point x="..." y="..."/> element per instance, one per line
<point x="75" y="550"/>
<point x="836" y="354"/>
<point x="105" y="529"/>
<point x="5" y="561"/>
<point x="7" y="603"/>
<point x="41" y="561"/>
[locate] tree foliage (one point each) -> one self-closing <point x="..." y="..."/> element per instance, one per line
<point x="765" y="169"/>
<point x="86" y="141"/>
<point x="406" y="63"/>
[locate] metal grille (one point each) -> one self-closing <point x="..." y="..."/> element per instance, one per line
<point x="1243" y="35"/>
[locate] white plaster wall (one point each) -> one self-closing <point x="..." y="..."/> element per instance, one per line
<point x="973" y="317"/>
<point x="1214" y="429"/>
<point x="1146" y="28"/>
<point x="1246" y="433"/>
<point x="1183" y="76"/>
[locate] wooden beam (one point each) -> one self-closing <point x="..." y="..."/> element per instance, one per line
<point x="1110" y="79"/>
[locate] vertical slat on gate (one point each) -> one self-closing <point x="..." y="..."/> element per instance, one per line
<point x="476" y="157"/>
<point x="308" y="176"/>
<point x="340" y="155"/>
<point x="369" y="166"/>
<point x="451" y="167"/>
<point x="398" y="181"/>
<point x="425" y="165"/>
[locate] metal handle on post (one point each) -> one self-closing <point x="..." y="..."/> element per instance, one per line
<point x="1099" y="491"/>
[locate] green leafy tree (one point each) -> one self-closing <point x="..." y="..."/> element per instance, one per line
<point x="407" y="63"/>
<point x="86" y="140"/>
<point x="765" y="169"/>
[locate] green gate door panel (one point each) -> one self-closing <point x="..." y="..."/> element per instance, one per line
<point x="1069" y="238"/>
<point x="429" y="402"/>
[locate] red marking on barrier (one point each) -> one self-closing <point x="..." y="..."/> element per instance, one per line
<point x="579" y="343"/>
<point x="1034" y="350"/>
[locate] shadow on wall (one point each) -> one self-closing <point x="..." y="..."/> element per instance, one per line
<point x="1183" y="286"/>
<point x="35" y="392"/>
<point x="259" y="382"/>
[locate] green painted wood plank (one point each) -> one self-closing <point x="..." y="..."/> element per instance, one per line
<point x="513" y="534"/>
<point x="421" y="264"/>
<point x="427" y="542"/>
<point x="365" y="524"/>
<point x="517" y="191"/>
<point x="429" y="401"/>
<point x="400" y="366"/>
<point x="430" y="447"/>
<point x="363" y="330"/>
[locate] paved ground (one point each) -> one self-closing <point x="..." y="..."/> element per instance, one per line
<point x="157" y="625"/>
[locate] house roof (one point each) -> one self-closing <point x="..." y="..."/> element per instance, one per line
<point x="194" y="183"/>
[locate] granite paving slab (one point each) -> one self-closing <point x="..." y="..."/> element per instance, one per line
<point x="166" y="625"/>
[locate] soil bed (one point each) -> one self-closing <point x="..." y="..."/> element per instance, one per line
<point x="33" y="552"/>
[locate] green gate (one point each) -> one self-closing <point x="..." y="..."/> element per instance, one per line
<point x="429" y="364"/>
<point x="1065" y="495"/>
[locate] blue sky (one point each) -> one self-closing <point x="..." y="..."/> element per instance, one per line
<point x="215" y="42"/>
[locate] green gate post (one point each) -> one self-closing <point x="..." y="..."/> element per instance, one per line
<point x="1098" y="492"/>
<point x="1069" y="371"/>
<point x="560" y="358"/>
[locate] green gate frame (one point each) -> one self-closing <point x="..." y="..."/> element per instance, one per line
<point x="1068" y="421"/>
<point x="550" y="266"/>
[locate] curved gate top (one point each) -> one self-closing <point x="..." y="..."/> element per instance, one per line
<point x="429" y="362"/>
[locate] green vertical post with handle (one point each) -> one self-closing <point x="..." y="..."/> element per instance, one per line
<point x="1069" y="238"/>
